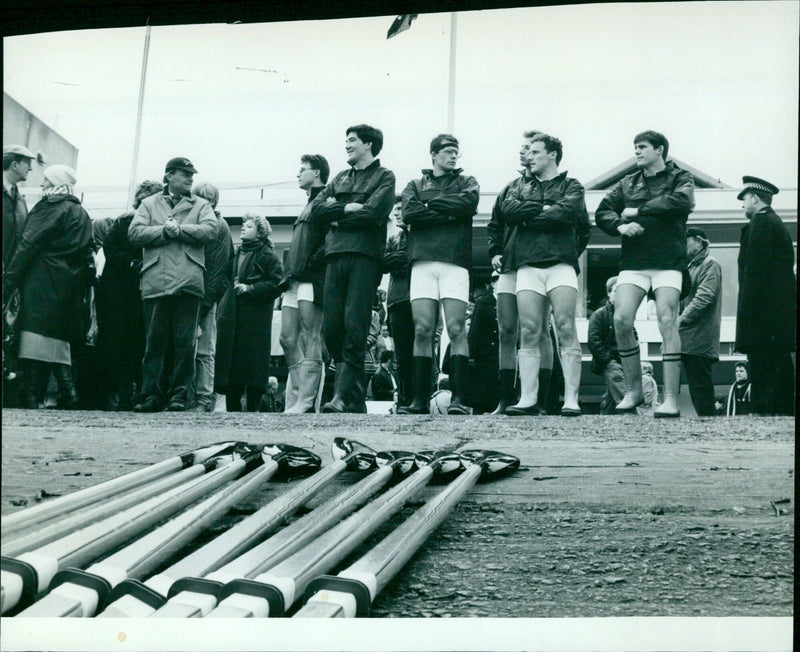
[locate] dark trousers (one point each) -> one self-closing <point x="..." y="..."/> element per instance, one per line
<point x="170" y="325"/>
<point x="701" y="387"/>
<point x="351" y="281"/>
<point x="401" y="328"/>
<point x="772" y="382"/>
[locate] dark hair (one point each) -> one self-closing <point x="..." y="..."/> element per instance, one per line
<point x="367" y="134"/>
<point x="763" y="196"/>
<point x="386" y="355"/>
<point x="531" y="133"/>
<point x="441" y="141"/>
<point x="398" y="199"/>
<point x="10" y="159"/>
<point x="318" y="162"/>
<point x="655" y="139"/>
<point x="551" y="144"/>
<point x="743" y="365"/>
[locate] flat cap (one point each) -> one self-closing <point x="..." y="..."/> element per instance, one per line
<point x="180" y="163"/>
<point x="754" y="183"/>
<point x="19" y="150"/>
<point x="694" y="232"/>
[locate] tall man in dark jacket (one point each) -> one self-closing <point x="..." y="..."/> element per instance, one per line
<point x="699" y="322"/>
<point x="649" y="209"/>
<point x="173" y="229"/>
<point x="218" y="277"/>
<point x="438" y="209"/>
<point x="17" y="165"/>
<point x="605" y="354"/>
<point x="553" y="231"/>
<point x="767" y="309"/>
<point x="355" y="207"/>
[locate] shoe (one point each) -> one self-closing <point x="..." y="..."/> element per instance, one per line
<point x="629" y="410"/>
<point x="514" y="411"/>
<point x="667" y="415"/>
<point x="177" y="405"/>
<point x="332" y="408"/>
<point x="410" y="409"/>
<point x="150" y="404"/>
<point x="457" y="409"/>
<point x="570" y="412"/>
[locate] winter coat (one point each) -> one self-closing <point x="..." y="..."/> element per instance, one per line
<point x="438" y="211"/>
<point x="738" y="401"/>
<point x="219" y="265"/>
<point x="52" y="267"/>
<point x="701" y="311"/>
<point x="173" y="265"/>
<point x="395" y="263"/>
<point x="498" y="231"/>
<point x="244" y="321"/>
<point x="767" y="307"/>
<point x="664" y="202"/>
<point x="15" y="214"/>
<point x="362" y="232"/>
<point x="305" y="259"/>
<point x="546" y="236"/>
<point x="602" y="339"/>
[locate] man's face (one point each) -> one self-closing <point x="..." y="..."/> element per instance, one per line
<point x="750" y="205"/>
<point x="447" y="158"/>
<point x="180" y="182"/>
<point x="384" y="331"/>
<point x="539" y="159"/>
<point x="397" y="214"/>
<point x="523" y="152"/>
<point x="356" y="149"/>
<point x="21" y="169"/>
<point x="646" y="154"/>
<point x="741" y="374"/>
<point x="612" y="294"/>
<point x="306" y="176"/>
<point x="693" y="245"/>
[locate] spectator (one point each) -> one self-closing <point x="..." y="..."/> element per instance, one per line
<point x="217" y="278"/>
<point x="17" y="166"/>
<point x="482" y="338"/>
<point x="271" y="401"/>
<point x="699" y="321"/>
<point x="605" y="354"/>
<point x="52" y="271"/>
<point x="650" y="390"/>
<point x="738" y="401"/>
<point x="245" y="323"/>
<point x="767" y="307"/>
<point x="355" y="207"/>
<point x="173" y="228"/>
<point x="384" y="385"/>
<point x="384" y="342"/>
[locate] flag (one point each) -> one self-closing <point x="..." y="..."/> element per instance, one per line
<point x="400" y="24"/>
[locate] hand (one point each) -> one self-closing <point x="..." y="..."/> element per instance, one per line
<point x="330" y="200"/>
<point x="240" y="288"/>
<point x="353" y="207"/>
<point x="545" y="207"/>
<point x="497" y="263"/>
<point x="629" y="213"/>
<point x="630" y="229"/>
<point x="171" y="227"/>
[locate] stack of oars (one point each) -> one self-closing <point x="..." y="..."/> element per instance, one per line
<point x="94" y="552"/>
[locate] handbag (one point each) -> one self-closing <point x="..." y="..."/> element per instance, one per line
<point x="10" y="325"/>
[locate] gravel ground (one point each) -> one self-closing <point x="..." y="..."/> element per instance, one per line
<point x="607" y="516"/>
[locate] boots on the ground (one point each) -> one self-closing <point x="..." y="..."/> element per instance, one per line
<point x="508" y="390"/>
<point x="571" y="359"/>
<point x="459" y="381"/>
<point x="336" y="404"/>
<point x="309" y="377"/>
<point x="292" y="386"/>
<point x="671" y="363"/>
<point x="632" y="369"/>
<point x="67" y="394"/>
<point x="545" y="376"/>
<point x="529" y="361"/>
<point x="36" y="375"/>
<point x="422" y="387"/>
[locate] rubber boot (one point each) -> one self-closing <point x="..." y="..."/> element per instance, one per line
<point x="292" y="386"/>
<point x="422" y="387"/>
<point x="632" y="369"/>
<point x="545" y="375"/>
<point x="354" y="389"/>
<point x="529" y="360"/>
<point x="336" y="404"/>
<point x="672" y="385"/>
<point x="36" y="375"/>
<point x="459" y="382"/>
<point x="67" y="395"/>
<point x="508" y="390"/>
<point x="571" y="367"/>
<point x="308" y="378"/>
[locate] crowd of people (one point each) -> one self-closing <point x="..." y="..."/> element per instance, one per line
<point x="180" y="315"/>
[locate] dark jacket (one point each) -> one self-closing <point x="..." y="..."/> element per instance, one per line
<point x="546" y="236"/>
<point x="499" y="232"/>
<point x="664" y="202"/>
<point x="219" y="266"/>
<point x="15" y="214"/>
<point x="395" y="263"/>
<point x="482" y="337"/>
<point x="382" y="385"/>
<point x="52" y="268"/>
<point x="601" y="338"/>
<point x="701" y="311"/>
<point x="244" y="321"/>
<point x="438" y="211"/>
<point x="305" y="260"/>
<point x="362" y="232"/>
<point x="767" y="307"/>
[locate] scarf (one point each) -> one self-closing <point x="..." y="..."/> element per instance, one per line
<point x="58" y="190"/>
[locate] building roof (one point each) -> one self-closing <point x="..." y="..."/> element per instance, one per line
<point x="608" y="179"/>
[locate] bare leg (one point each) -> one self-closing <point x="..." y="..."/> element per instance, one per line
<point x="626" y="304"/>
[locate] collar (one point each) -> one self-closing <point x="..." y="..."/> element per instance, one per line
<point x="525" y="173"/>
<point x="428" y="172"/>
<point x="7" y="186"/>
<point x="699" y="257"/>
<point x="375" y="164"/>
<point x="314" y="191"/>
<point x="558" y="177"/>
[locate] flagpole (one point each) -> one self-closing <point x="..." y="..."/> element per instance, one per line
<point x="451" y="90"/>
<point x="135" y="163"/>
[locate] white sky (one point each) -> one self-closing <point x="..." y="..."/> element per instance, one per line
<point x="720" y="79"/>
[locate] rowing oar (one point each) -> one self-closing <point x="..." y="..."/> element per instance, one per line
<point x="133" y="598"/>
<point x="274" y="592"/>
<point x="22" y="578"/>
<point x="352" y="591"/>
<point x="79" y="593"/>
<point x="27" y="518"/>
<point x="192" y="596"/>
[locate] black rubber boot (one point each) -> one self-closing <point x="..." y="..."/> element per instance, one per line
<point x="336" y="404"/>
<point x="459" y="381"/>
<point x="36" y="375"/>
<point x="422" y="387"/>
<point x="544" y="389"/>
<point x="508" y="390"/>
<point x="67" y="395"/>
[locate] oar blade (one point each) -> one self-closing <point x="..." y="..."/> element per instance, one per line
<point x="293" y="461"/>
<point x="403" y="462"/>
<point x="446" y="465"/>
<point x="494" y="464"/>
<point x="359" y="457"/>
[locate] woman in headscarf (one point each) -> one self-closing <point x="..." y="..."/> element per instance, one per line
<point x="51" y="269"/>
<point x="120" y="319"/>
<point x="244" y="334"/>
